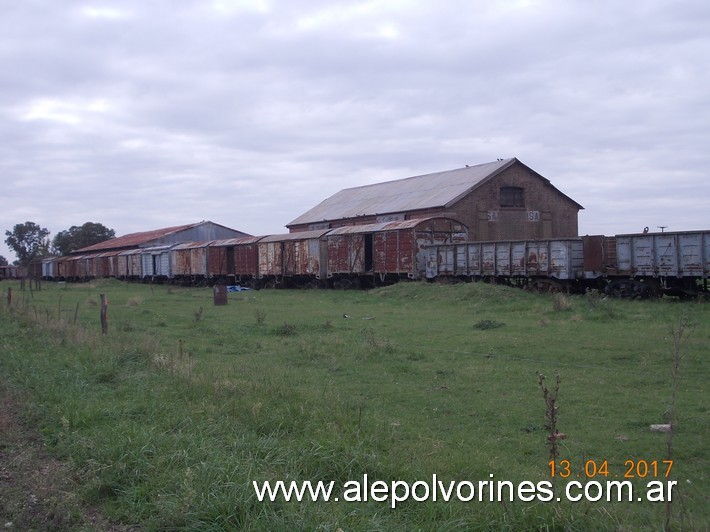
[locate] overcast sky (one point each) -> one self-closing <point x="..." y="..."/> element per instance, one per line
<point x="142" y="114"/>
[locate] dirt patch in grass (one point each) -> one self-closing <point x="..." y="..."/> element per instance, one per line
<point x="36" y="490"/>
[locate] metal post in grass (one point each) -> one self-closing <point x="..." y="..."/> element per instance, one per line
<point x="104" y="314"/>
<point x="9" y="296"/>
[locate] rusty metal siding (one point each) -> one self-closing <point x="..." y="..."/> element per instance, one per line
<point x="100" y="267"/>
<point x="293" y="254"/>
<point x="302" y="257"/>
<point x="122" y="266"/>
<point x="217" y="260"/>
<point x="111" y="263"/>
<point x="78" y="266"/>
<point x="198" y="260"/>
<point x="270" y="259"/>
<point x="396" y="247"/>
<point x="235" y="256"/>
<point x="537" y="258"/>
<point x="346" y="254"/>
<point x="129" y="263"/>
<point x="189" y="259"/>
<point x="181" y="262"/>
<point x="246" y="260"/>
<point x="135" y="264"/>
<point x="597" y="258"/>
<point x="60" y="268"/>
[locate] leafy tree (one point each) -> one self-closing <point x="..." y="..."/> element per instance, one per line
<point x="80" y="237"/>
<point x="28" y="240"/>
<point x="3" y="261"/>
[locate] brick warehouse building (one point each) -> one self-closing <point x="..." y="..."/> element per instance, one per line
<point x="502" y="200"/>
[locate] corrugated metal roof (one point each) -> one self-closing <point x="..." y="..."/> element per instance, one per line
<point x="203" y="231"/>
<point x="192" y="245"/>
<point x="381" y="226"/>
<point x="236" y="241"/>
<point x="440" y="189"/>
<point x="303" y="235"/>
<point x="161" y="248"/>
<point x="135" y="239"/>
<point x="427" y="191"/>
<point x="130" y="252"/>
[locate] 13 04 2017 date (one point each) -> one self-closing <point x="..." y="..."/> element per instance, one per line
<point x="632" y="468"/>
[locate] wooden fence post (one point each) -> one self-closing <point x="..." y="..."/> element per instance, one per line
<point x="104" y="314"/>
<point x="9" y="296"/>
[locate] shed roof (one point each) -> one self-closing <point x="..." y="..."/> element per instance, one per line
<point x="143" y="238"/>
<point x="192" y="245"/>
<point x="303" y="235"/>
<point x="440" y="189"/>
<point x="236" y="241"/>
<point x="385" y="226"/>
<point x="135" y="239"/>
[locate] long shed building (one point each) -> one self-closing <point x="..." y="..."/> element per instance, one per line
<point x="501" y="200"/>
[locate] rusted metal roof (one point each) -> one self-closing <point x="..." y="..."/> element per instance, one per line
<point x="134" y="239"/>
<point x="192" y="245"/>
<point x="236" y="241"/>
<point x="381" y="226"/>
<point x="130" y="252"/>
<point x="201" y="231"/>
<point x="303" y="235"/>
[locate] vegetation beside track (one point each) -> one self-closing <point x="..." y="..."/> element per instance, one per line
<point x="166" y="420"/>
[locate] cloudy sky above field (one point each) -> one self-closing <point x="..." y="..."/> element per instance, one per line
<point x="152" y="113"/>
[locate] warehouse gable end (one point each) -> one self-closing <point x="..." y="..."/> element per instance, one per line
<point x="496" y="201"/>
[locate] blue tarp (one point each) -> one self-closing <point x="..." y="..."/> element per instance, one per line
<point x="237" y="288"/>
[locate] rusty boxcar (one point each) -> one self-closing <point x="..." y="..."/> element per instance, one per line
<point x="386" y="251"/>
<point x="189" y="261"/>
<point x="128" y="264"/>
<point x="235" y="259"/>
<point x="293" y="259"/>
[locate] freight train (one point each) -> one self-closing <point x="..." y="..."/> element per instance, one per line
<point x="435" y="248"/>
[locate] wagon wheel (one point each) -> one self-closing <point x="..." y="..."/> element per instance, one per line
<point x="629" y="288"/>
<point x="545" y="286"/>
<point x="343" y="284"/>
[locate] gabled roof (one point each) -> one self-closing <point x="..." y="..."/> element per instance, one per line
<point x="135" y="239"/>
<point x="440" y="189"/>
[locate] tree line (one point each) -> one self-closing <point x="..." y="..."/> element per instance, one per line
<point x="29" y="240"/>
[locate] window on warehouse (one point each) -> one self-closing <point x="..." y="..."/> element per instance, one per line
<point x="511" y="197"/>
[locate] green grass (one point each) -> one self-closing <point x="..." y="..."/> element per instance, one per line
<point x="168" y="418"/>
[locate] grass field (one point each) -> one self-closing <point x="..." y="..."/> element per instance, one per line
<point x="167" y="419"/>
